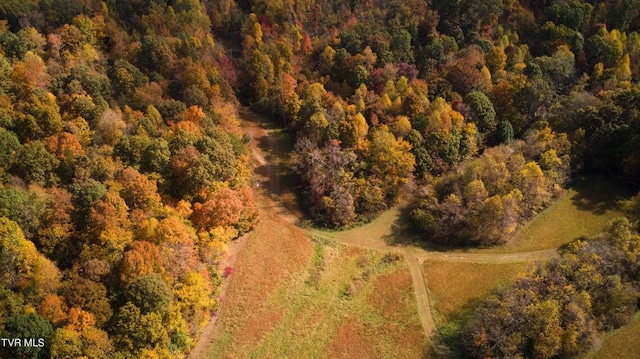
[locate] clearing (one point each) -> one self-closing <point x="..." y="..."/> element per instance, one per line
<point x="347" y="294"/>
<point x="349" y="303"/>
<point x="290" y="295"/>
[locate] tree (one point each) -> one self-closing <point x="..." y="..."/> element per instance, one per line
<point x="54" y="233"/>
<point x="496" y="60"/>
<point x="109" y="224"/>
<point x="329" y="173"/>
<point x="35" y="164"/>
<point x="96" y="343"/>
<point x="66" y="344"/>
<point x="139" y="191"/>
<point x="17" y="255"/>
<point x="134" y="331"/>
<point x="223" y="209"/>
<point x="84" y="194"/>
<point x="79" y="319"/>
<point x="39" y="115"/>
<point x="156" y="157"/>
<point x="465" y="72"/>
<point x="139" y="259"/>
<point x="532" y="183"/>
<point x="31" y="72"/>
<point x="110" y="127"/>
<point x="194" y="295"/>
<point x="26" y="208"/>
<point x="505" y="132"/>
<point x="9" y="148"/>
<point x="177" y="240"/>
<point x="54" y="309"/>
<point x="28" y="326"/>
<point x="150" y="293"/>
<point x="390" y="160"/>
<point x="196" y="166"/>
<point x="89" y="296"/>
<point x="482" y="112"/>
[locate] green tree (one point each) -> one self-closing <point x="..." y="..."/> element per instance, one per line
<point x="28" y="326"/>
<point x="66" y="344"/>
<point x="39" y="115"/>
<point x="134" y="331"/>
<point x="24" y="207"/>
<point x="35" y="164"/>
<point x="150" y="293"/>
<point x="482" y="112"/>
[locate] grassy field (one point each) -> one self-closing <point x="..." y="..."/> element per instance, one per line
<point x="585" y="209"/>
<point x="620" y="344"/>
<point x="346" y="302"/>
<point x="456" y="289"/>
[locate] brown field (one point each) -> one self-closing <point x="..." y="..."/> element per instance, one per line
<point x="340" y="302"/>
<point x="259" y="270"/>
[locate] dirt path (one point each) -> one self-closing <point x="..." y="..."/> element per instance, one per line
<point x="422" y="295"/>
<point x="200" y="349"/>
<point x="277" y="202"/>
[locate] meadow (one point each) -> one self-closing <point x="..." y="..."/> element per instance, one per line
<point x="339" y="301"/>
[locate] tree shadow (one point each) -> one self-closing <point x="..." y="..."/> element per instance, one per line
<point x="594" y="193"/>
<point x="598" y="194"/>
<point x="404" y="234"/>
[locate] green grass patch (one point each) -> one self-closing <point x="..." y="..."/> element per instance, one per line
<point x="456" y="289"/>
<point x="583" y="210"/>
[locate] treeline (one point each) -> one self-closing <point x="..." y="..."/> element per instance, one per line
<point x="448" y="80"/>
<point x="559" y="308"/>
<point x="485" y="199"/>
<point x="123" y="176"/>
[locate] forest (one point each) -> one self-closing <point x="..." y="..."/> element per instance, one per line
<point x="124" y="175"/>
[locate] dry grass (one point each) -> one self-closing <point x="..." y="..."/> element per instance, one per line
<point x="455" y="287"/>
<point x="393" y="298"/>
<point x="349" y="342"/>
<point x="341" y="302"/>
<point x="259" y="271"/>
<point x="620" y="344"/>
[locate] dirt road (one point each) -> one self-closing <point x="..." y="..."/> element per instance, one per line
<point x="277" y="201"/>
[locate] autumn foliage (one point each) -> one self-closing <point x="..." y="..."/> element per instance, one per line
<point x="122" y="176"/>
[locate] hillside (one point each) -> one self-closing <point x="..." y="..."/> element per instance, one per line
<point x="173" y="172"/>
